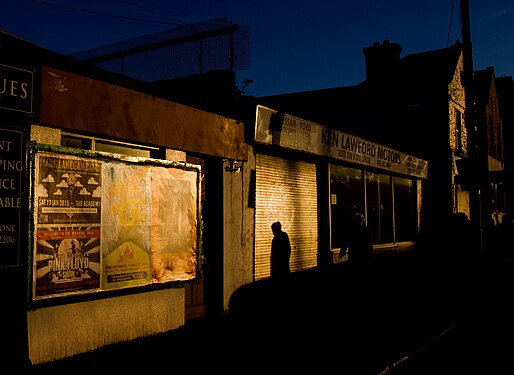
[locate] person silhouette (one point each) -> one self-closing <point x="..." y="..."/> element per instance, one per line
<point x="280" y="252"/>
<point x="360" y="244"/>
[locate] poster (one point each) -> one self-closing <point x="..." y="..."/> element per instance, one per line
<point x="174" y="242"/>
<point x="67" y="205"/>
<point x="67" y="260"/>
<point x="126" y="225"/>
<point x="105" y="224"/>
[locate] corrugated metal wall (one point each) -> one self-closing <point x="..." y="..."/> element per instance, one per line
<point x="286" y="192"/>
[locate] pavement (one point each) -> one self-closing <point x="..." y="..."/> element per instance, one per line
<point x="481" y="340"/>
<point x="405" y="315"/>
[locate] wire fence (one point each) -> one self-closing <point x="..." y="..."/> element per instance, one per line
<point x="191" y="49"/>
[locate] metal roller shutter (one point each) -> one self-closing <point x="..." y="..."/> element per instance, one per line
<point x="286" y="192"/>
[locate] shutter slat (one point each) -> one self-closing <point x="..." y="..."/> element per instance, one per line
<point x="286" y="192"/>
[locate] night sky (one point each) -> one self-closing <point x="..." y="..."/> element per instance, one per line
<point x="295" y="45"/>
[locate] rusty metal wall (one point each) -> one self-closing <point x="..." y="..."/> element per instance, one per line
<point x="78" y="103"/>
<point x="286" y="191"/>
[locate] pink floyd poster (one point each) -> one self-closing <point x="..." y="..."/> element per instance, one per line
<point x="67" y="260"/>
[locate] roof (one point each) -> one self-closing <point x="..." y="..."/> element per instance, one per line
<point x="21" y="52"/>
<point x="436" y="65"/>
<point x="407" y="91"/>
<point x="482" y="80"/>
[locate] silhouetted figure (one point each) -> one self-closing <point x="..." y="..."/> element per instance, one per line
<point x="463" y="246"/>
<point x="280" y="252"/>
<point x="462" y="257"/>
<point x="360" y="244"/>
<point x="490" y="231"/>
<point x="505" y="235"/>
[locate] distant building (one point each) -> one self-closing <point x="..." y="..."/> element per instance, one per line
<point x="505" y="92"/>
<point x="490" y="152"/>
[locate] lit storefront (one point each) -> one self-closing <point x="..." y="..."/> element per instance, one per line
<point x="102" y="225"/>
<point x="345" y="175"/>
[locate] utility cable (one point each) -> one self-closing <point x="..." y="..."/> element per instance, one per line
<point x="63" y="6"/>
<point x="450" y="25"/>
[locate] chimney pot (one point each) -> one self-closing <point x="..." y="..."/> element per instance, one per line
<point x="382" y="60"/>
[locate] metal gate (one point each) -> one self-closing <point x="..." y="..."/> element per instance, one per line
<point x="286" y="191"/>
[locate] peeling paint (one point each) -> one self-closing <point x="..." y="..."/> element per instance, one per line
<point x="59" y="86"/>
<point x="58" y="83"/>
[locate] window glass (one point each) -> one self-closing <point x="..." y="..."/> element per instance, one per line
<point x="405" y="209"/>
<point x="346" y="198"/>
<point x="500" y="198"/>
<point x="74" y="142"/>
<point x="458" y="121"/>
<point x="389" y="204"/>
<point x="379" y="207"/>
<point x="121" y="149"/>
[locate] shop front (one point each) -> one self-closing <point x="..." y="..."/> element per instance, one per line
<point x="320" y="180"/>
<point x="102" y="199"/>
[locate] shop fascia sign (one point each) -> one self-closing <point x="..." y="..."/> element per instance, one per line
<point x="297" y="134"/>
<point x="16" y="88"/>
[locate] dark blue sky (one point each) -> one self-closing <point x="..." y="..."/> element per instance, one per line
<point x="295" y="45"/>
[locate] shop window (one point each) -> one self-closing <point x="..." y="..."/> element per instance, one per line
<point x="75" y="142"/>
<point x="346" y="198"/>
<point x="379" y="207"/>
<point x="458" y="129"/>
<point x="102" y="145"/>
<point x="404" y="209"/>
<point x="389" y="204"/>
<point x="500" y="197"/>
<point x="497" y="197"/>
<point x="499" y="142"/>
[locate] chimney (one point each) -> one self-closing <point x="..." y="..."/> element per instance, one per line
<point x="381" y="60"/>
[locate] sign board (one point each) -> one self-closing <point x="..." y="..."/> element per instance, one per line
<point x="16" y="89"/>
<point x="11" y="185"/>
<point x="302" y="135"/>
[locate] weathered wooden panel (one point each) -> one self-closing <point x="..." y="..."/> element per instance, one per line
<point x="192" y="129"/>
<point x="79" y="103"/>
